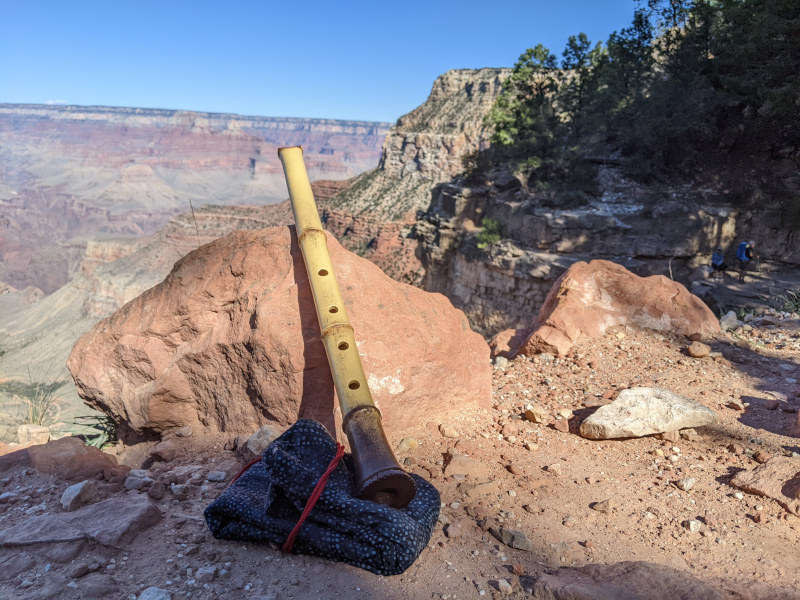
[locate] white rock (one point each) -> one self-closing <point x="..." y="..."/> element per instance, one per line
<point x="216" y="476"/>
<point x="637" y="412"/>
<point x="79" y="494"/>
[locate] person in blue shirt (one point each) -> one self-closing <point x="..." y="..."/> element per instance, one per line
<point x="718" y="262"/>
<point x="744" y="254"/>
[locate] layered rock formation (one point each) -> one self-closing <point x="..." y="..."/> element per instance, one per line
<point x="230" y="340"/>
<point x="74" y="171"/>
<point x="439" y="211"/>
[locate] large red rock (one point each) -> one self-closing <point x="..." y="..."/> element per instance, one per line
<point x="68" y="458"/>
<point x="230" y="340"/>
<point x="591" y="297"/>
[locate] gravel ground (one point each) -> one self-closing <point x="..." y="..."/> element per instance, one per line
<point x="549" y="483"/>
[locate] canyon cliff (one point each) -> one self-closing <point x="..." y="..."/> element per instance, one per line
<point x="68" y="172"/>
<point x="420" y="215"/>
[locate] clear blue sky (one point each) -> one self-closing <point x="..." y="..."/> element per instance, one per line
<point x="350" y="60"/>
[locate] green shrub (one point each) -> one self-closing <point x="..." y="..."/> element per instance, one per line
<point x="491" y="233"/>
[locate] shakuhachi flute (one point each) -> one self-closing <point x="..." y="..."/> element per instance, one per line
<point x="379" y="476"/>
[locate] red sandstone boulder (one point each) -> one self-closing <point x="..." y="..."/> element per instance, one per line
<point x="68" y="459"/>
<point x="590" y="297"/>
<point x="230" y="340"/>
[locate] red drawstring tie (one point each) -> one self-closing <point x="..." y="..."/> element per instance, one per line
<point x="250" y="464"/>
<point x="312" y="500"/>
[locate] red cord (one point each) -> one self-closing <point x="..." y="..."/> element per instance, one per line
<point x="318" y="489"/>
<point x="250" y="464"/>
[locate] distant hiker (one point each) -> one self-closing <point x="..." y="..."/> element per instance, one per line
<point x="718" y="262"/>
<point x="744" y="254"/>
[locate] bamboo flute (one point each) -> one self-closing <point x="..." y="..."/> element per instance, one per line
<point x="379" y="476"/>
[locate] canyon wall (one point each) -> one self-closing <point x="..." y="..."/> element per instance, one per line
<point x="419" y="215"/>
<point x="67" y="172"/>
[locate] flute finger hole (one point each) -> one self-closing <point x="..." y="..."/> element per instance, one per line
<point x="354" y="385"/>
<point x="343" y="346"/>
<point x="322" y="272"/>
<point x="333" y="309"/>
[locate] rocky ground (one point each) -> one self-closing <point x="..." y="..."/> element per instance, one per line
<point x="577" y="501"/>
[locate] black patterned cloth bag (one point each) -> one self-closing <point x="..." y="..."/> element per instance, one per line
<point x="265" y="503"/>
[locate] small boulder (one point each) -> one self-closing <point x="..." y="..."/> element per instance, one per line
<point x="79" y="494"/>
<point x="644" y="411"/>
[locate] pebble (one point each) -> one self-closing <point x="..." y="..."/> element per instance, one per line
<point x="685" y="484"/>
<point x="761" y="456"/>
<point x="698" y="350"/>
<point x="512" y="538"/>
<point x="561" y="425"/>
<point x="134" y="483"/>
<point x="185" y="431"/>
<point x="516" y="470"/>
<point x="738" y="495"/>
<point x="605" y="506"/>
<point x="555" y="470"/>
<point x="569" y="522"/>
<point x="536" y="414"/>
<point x="154" y="593"/>
<point x="531" y="446"/>
<point x="693" y="525"/>
<point x="79" y="494"/>
<point x="216" y="476"/>
<point x="156" y="491"/>
<point x="504" y="587"/>
<point x="408" y="443"/>
<point x="205" y="574"/>
<point x="448" y="431"/>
